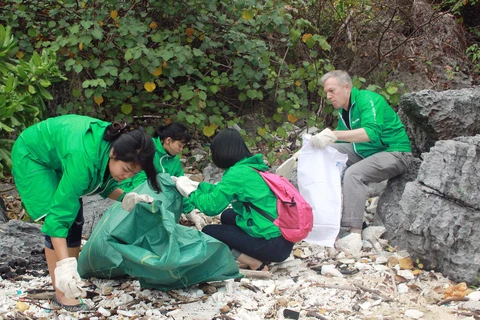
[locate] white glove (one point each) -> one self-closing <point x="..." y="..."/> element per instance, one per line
<point x="288" y="167"/>
<point x="198" y="218"/>
<point x="68" y="280"/>
<point x="185" y="186"/>
<point x="132" y="198"/>
<point x="323" y="139"/>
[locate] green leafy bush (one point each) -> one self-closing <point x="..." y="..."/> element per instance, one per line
<point x="23" y="89"/>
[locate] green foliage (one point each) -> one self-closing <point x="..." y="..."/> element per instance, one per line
<point x="473" y="53"/>
<point x="204" y="63"/>
<point x="23" y="90"/>
<point x="185" y="61"/>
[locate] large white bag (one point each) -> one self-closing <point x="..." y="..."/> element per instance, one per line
<point x="319" y="181"/>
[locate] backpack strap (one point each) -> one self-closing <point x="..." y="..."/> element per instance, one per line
<point x="250" y="205"/>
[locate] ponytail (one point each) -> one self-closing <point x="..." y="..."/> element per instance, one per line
<point x="115" y="130"/>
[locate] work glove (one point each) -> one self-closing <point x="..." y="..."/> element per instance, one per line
<point x="132" y="198"/>
<point x="185" y="186"/>
<point x="323" y="139"/>
<point x="68" y="280"/>
<point x="198" y="218"/>
<point x="288" y="167"/>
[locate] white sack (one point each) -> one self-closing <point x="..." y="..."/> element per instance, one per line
<point x="319" y="181"/>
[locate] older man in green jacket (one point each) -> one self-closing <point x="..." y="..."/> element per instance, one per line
<point x="372" y="135"/>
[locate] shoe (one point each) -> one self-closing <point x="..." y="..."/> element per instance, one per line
<point x="70" y="308"/>
<point x="262" y="266"/>
<point x="373" y="234"/>
<point x="350" y="244"/>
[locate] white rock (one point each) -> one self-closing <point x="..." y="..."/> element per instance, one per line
<point x="407" y="274"/>
<point x="381" y="260"/>
<point x="104" y="312"/>
<point x="381" y="267"/>
<point x="365" y="306"/>
<point x="270" y="289"/>
<point x="474" y="296"/>
<point x="347" y="261"/>
<point x="471" y="305"/>
<point x="414" y="314"/>
<point x="402" y="288"/>
<point x="287" y="284"/>
<point x="330" y="270"/>
<point x="144" y="293"/>
<point x="127" y="313"/>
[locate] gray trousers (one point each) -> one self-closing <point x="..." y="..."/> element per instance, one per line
<point x="360" y="172"/>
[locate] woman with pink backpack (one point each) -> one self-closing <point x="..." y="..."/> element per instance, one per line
<point x="253" y="239"/>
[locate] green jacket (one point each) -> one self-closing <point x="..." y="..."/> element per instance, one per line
<point x="370" y="111"/>
<point x="73" y="146"/>
<point x="240" y="184"/>
<point x="164" y="163"/>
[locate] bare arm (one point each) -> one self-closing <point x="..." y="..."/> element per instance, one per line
<point x="357" y="135"/>
<point x="115" y="194"/>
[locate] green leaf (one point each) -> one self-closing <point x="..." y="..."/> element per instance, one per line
<point x="392" y="90"/>
<point x="247" y="14"/>
<point x="252" y="94"/>
<point x="126" y="108"/>
<point x="190" y="119"/>
<point x="202" y="95"/>
<point x="76" y="93"/>
<point x="78" y="68"/>
<point x="97" y="33"/>
<point x="31" y="89"/>
<point x="214" y="89"/>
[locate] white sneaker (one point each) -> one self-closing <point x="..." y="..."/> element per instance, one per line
<point x="373" y="234"/>
<point x="350" y="244"/>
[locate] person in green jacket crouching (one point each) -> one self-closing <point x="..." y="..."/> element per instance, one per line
<point x="59" y="160"/>
<point x="253" y="240"/>
<point x="372" y="135"/>
<point x="169" y="140"/>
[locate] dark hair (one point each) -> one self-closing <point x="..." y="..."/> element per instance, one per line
<point x="133" y="146"/>
<point x="175" y="130"/>
<point x="228" y="148"/>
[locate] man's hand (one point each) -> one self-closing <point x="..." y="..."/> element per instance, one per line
<point x="323" y="139"/>
<point x="185" y="186"/>
<point x="68" y="280"/>
<point x="198" y="218"/>
<point x="132" y="198"/>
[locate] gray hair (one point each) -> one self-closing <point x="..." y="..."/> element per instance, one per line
<point x="341" y="76"/>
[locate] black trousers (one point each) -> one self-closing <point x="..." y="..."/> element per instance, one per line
<point x="274" y="250"/>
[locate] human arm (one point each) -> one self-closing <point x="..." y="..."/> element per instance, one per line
<point x="212" y="199"/>
<point x="356" y="135"/>
<point x="117" y="194"/>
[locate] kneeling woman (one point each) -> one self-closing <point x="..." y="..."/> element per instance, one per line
<point x="253" y="239"/>
<point x="59" y="160"/>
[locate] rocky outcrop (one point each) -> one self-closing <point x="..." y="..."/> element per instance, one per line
<point x="436" y="217"/>
<point x="430" y="116"/>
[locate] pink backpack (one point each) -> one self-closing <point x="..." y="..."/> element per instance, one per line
<point x="295" y="215"/>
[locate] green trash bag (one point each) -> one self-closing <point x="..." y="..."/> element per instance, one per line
<point x="149" y="244"/>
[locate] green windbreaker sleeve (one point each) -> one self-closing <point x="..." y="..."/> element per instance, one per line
<point x="213" y="199"/>
<point x="65" y="204"/>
